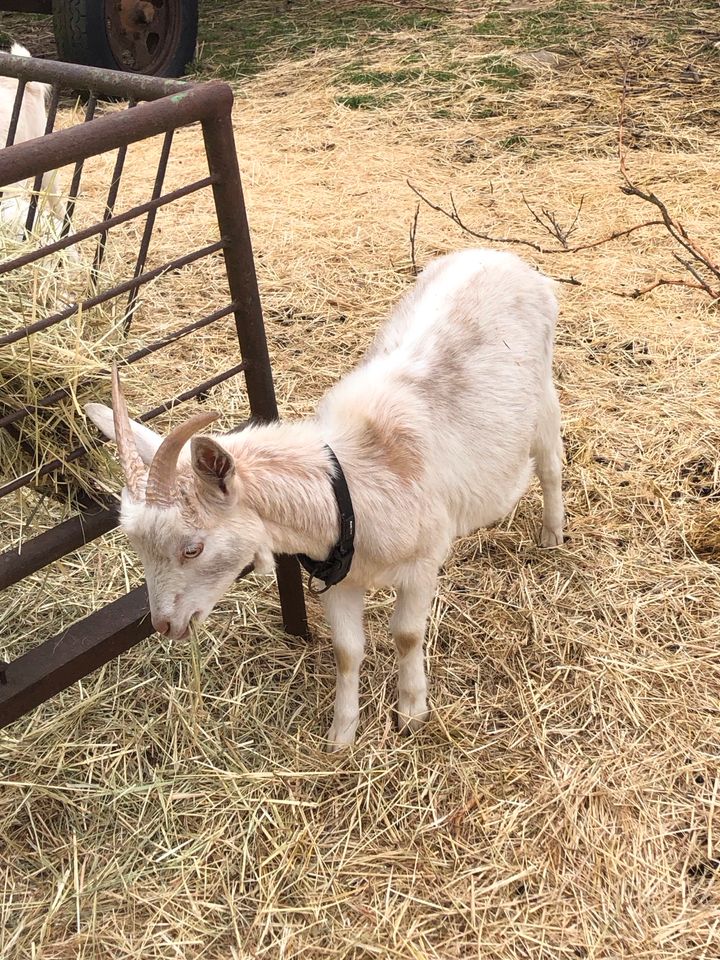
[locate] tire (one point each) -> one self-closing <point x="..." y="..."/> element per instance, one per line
<point x="156" y="37"/>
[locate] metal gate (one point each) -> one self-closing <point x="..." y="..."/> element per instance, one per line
<point x="155" y="107"/>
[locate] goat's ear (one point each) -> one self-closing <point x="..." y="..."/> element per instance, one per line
<point x="211" y="463"/>
<point x="146" y="440"/>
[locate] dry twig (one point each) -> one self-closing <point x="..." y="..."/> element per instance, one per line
<point x="699" y="256"/>
<point x="413" y="235"/>
<point x="549" y="221"/>
<point x="454" y="215"/>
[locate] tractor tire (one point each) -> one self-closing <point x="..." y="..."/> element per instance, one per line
<point x="154" y="37"/>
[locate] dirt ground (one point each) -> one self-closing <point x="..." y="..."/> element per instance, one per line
<point x="564" y="799"/>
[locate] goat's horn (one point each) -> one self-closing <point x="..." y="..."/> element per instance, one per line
<point x="132" y="465"/>
<point x="161" y="490"/>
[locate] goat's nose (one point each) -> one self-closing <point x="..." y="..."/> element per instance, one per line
<point x="161" y="626"/>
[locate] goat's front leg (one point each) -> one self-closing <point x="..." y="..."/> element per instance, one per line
<point x="344" y="610"/>
<point x="407" y="625"/>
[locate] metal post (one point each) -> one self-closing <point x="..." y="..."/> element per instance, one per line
<point x="292" y="597"/>
<point x="240" y="267"/>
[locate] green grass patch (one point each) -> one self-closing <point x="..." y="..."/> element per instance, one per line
<point x="514" y="142"/>
<point x="436" y="87"/>
<point x="239" y="39"/>
<point x="494" y="25"/>
<point x="564" y="22"/>
<point x="360" y="76"/>
<point x="502" y="73"/>
<point x="480" y="110"/>
<point x="365" y="101"/>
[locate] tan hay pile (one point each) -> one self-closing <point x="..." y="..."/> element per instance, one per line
<point x="564" y="799"/>
<point x="68" y="354"/>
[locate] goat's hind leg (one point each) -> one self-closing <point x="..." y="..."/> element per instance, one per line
<point x="547" y="452"/>
<point x="407" y="626"/>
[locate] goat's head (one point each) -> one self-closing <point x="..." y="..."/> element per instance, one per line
<point x="185" y="515"/>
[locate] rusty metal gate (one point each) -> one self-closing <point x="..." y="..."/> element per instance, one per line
<point x="154" y="107"/>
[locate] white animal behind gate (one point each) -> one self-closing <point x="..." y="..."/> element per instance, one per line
<point x="438" y="432"/>
<point x="31" y="123"/>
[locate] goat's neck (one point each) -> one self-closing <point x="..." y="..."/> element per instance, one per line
<point x="284" y="473"/>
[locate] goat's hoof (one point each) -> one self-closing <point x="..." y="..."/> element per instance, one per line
<point x="411" y="720"/>
<point x="551" y="538"/>
<point x="340" y="737"/>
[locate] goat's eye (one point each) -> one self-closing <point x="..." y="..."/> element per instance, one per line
<point x="193" y="550"/>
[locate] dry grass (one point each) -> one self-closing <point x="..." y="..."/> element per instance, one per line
<point x="564" y="799"/>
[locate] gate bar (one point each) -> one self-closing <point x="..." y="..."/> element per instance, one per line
<point x="97" y="79"/>
<point x="242" y="280"/>
<point x="71" y="655"/>
<point x="45" y="548"/>
<point x="93" y="641"/>
<point x="65" y="147"/>
<point x="102" y="226"/>
<point x="88" y="644"/>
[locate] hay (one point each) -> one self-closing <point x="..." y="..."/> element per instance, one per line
<point x="563" y="801"/>
<point x="67" y="355"/>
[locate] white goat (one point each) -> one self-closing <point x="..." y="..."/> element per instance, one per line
<point x="438" y="432"/>
<point x="32" y="120"/>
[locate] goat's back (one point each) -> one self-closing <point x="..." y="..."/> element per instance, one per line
<point x="461" y="370"/>
<point x="474" y="300"/>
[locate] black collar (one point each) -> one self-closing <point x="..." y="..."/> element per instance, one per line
<point x="337" y="564"/>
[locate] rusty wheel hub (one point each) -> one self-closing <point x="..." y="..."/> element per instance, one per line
<point x="142" y="33"/>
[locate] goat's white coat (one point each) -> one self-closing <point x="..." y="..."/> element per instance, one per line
<point x="31" y="124"/>
<point x="438" y="431"/>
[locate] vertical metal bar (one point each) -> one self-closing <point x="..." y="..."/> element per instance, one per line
<point x="52" y="108"/>
<point x="149" y="224"/>
<point x="292" y="598"/>
<point x="109" y="210"/>
<point x="242" y="281"/>
<point x="15" y="116"/>
<point x="37" y="186"/>
<point x="110" y="207"/>
<point x="239" y="264"/>
<point x="77" y="174"/>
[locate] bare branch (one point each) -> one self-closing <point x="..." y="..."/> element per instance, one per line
<point x="454" y="215"/>
<point x="676" y="230"/>
<point x="571" y="228"/>
<point x="700" y="263"/>
<point x="658" y="282"/>
<point x="699" y="256"/>
<point x="553" y="229"/>
<point x="691" y="269"/>
<point x="413" y="235"/>
<point x="573" y="281"/>
<point x="552" y="224"/>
